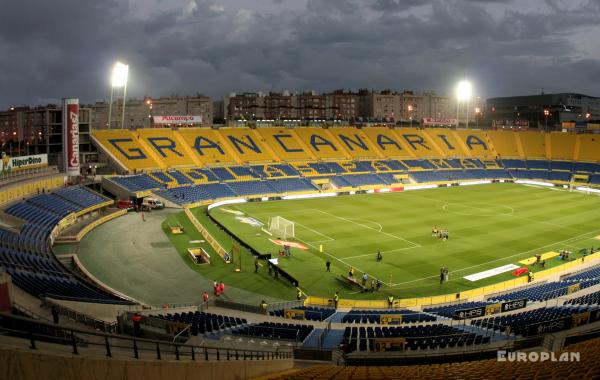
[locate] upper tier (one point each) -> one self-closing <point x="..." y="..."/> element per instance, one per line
<point x="152" y="149"/>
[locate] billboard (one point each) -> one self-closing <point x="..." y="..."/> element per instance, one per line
<point x="71" y="136"/>
<point x="177" y="119"/>
<point x="10" y="164"/>
<point x="433" y="121"/>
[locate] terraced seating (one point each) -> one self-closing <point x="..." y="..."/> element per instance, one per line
<point x="588" y="367"/>
<point x="528" y="323"/>
<point x="416" y="337"/>
<point x="588" y="299"/>
<point x="310" y="313"/>
<point x="201" y="322"/>
<point x="271" y="330"/>
<point x="544" y="291"/>
<point x="290" y="185"/>
<point x="137" y="182"/>
<point x="374" y="316"/>
<point x="180" y="177"/>
<point x="81" y="196"/>
<point x="191" y="194"/>
<point x="251" y="188"/>
<point x="27" y="257"/>
<point x="449" y="310"/>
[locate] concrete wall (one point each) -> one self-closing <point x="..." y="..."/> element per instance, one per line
<point x="26" y="365"/>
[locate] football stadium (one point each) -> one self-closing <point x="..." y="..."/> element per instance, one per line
<point x="309" y="252"/>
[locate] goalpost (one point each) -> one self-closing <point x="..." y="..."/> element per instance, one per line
<point x="281" y="227"/>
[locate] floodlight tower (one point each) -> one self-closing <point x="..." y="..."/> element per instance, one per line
<point x="118" y="79"/>
<point x="464" y="91"/>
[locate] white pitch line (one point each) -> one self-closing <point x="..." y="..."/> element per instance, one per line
<point x="497" y="213"/>
<point x="373" y="254"/>
<point x="571" y="240"/>
<point x="370" y="228"/>
<point x="314" y="247"/>
<point x="329" y="238"/>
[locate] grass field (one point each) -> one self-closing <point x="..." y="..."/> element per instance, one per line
<point x="489" y="226"/>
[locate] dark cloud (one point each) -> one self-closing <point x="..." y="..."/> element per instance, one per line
<point x="65" y="48"/>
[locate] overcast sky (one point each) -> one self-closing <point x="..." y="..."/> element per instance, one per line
<point x="65" y="48"/>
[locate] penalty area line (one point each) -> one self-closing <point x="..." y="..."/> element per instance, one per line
<point x="325" y="253"/>
<point x="415" y="245"/>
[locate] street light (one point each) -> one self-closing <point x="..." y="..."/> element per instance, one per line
<point x="546" y="113"/>
<point x="464" y="91"/>
<point x="118" y="79"/>
<point x="410" y="109"/>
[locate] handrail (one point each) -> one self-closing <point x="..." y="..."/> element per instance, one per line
<point x="28" y="328"/>
<point x="81" y="317"/>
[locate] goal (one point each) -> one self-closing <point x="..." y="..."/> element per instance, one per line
<point x="281" y="227"/>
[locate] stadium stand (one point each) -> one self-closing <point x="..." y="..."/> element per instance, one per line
<point x="389" y="143"/>
<point x="416" y="337"/>
<point x="355" y="143"/>
<point x="374" y="316"/>
<point x="310" y="313"/>
<point x="477" y="143"/>
<point x="505" y="143"/>
<point x="450" y="310"/>
<point x="284" y="331"/>
<point x="585" y="368"/>
<point x="534" y="144"/>
<point x="27" y="257"/>
<point x="535" y="322"/>
<point x="126" y="149"/>
<point x="201" y="323"/>
<point x="562" y="146"/>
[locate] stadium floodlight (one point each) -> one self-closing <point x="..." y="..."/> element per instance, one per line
<point x="118" y="79"/>
<point x="120" y="72"/>
<point x="464" y="92"/>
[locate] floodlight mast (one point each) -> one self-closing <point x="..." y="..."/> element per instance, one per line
<point x="118" y="79"/>
<point x="464" y="92"/>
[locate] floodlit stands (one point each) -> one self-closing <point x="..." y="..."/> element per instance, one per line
<point x="588" y="148"/>
<point x="374" y="316"/>
<point x="310" y="313"/>
<point x="587" y="367"/>
<point x="285" y="331"/>
<point x="416" y="337"/>
<point x="125" y="148"/>
<point x="563" y="146"/>
<point x="544" y="291"/>
<point x="201" y="322"/>
<point x="529" y="322"/>
<point x="27" y="256"/>
<point x="534" y="144"/>
<point x="505" y="143"/>
<point x="137" y="182"/>
<point x="449" y="310"/>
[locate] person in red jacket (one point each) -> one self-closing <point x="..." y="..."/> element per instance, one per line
<point x="205" y="297"/>
<point x="221" y="288"/>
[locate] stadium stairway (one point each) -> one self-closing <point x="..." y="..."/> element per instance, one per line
<point x="337" y="317"/>
<point x="333" y="338"/>
<point x="312" y="341"/>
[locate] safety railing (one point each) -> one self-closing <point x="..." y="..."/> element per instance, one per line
<point x="119" y="345"/>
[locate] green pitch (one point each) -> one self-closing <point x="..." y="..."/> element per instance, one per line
<point x="489" y="226"/>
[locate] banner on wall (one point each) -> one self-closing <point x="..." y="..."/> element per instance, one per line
<point x="177" y="119"/>
<point x="71" y="136"/>
<point x="10" y="164"/>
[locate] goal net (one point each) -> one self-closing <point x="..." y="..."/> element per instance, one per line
<point x="281" y="227"/>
